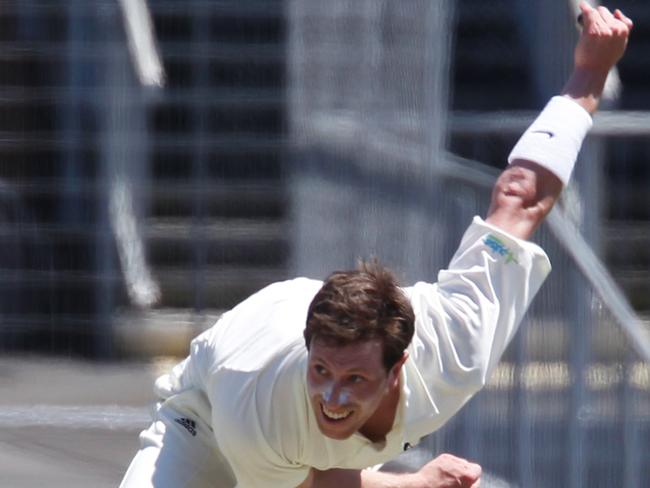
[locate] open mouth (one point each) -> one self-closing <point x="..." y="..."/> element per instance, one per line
<point x="335" y="416"/>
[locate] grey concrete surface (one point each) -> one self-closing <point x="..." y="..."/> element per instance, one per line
<point x="72" y="424"/>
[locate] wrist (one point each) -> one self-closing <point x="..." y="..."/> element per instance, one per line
<point x="554" y="139"/>
<point x="380" y="479"/>
<point x="585" y="87"/>
<point x="414" y="480"/>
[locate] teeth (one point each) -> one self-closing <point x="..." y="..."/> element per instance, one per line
<point x="334" y="415"/>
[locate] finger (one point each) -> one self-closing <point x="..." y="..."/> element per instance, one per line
<point x="606" y="15"/>
<point x="450" y="458"/>
<point x="585" y="8"/>
<point x="605" y="22"/>
<point x="471" y="472"/>
<point x="626" y="20"/>
<point x="588" y="17"/>
<point x="620" y="29"/>
<point x="617" y="25"/>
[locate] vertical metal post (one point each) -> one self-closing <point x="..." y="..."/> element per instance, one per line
<point x="587" y="182"/>
<point x="523" y="420"/>
<point x="72" y="213"/>
<point x="579" y="396"/>
<point x="70" y="123"/>
<point x="551" y="39"/>
<point x="632" y="447"/>
<point x="437" y="53"/>
<point x="123" y="163"/>
<point x="111" y="107"/>
<point x="200" y="90"/>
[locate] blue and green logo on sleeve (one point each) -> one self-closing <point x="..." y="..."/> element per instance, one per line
<point x="500" y="248"/>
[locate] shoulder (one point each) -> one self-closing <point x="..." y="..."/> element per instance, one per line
<point x="288" y="288"/>
<point x="260" y="327"/>
<point x="295" y="289"/>
<point x="282" y="299"/>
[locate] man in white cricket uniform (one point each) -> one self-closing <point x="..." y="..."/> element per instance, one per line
<point x="264" y="400"/>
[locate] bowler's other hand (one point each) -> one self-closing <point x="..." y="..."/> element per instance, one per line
<point x="603" y="39"/>
<point x="447" y="471"/>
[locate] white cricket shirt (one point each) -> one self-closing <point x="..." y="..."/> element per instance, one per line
<point x="250" y="368"/>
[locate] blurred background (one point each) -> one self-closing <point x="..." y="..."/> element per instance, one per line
<point x="160" y="161"/>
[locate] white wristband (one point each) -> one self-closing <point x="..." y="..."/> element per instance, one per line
<point x="554" y="138"/>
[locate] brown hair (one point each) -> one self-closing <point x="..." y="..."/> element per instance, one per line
<point x="361" y="305"/>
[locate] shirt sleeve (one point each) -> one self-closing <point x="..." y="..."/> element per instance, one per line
<point x="465" y="321"/>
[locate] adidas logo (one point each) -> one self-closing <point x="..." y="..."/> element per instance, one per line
<point x="189" y="424"/>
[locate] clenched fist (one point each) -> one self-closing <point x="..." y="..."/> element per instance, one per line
<point x="603" y="39"/>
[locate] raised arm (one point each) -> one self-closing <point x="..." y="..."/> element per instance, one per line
<point x="527" y="190"/>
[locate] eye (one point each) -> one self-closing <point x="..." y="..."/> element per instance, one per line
<point x="320" y="370"/>
<point x="355" y="378"/>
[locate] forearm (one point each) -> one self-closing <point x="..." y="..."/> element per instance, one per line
<point x="543" y="159"/>
<point x="354" y="478"/>
<point x="445" y="471"/>
<point x="377" y="479"/>
<point x="526" y="191"/>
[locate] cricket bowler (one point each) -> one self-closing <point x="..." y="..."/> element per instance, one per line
<point x="310" y="384"/>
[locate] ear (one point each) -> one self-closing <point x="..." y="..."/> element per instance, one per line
<point x="397" y="367"/>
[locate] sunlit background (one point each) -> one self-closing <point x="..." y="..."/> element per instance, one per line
<point x="160" y="161"/>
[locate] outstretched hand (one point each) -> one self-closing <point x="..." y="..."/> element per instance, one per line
<point x="447" y="471"/>
<point x="603" y="39"/>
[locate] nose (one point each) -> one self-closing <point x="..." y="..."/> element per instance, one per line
<point x="334" y="395"/>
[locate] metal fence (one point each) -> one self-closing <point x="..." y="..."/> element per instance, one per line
<point x="370" y="176"/>
<point x="141" y="203"/>
<point x="117" y="196"/>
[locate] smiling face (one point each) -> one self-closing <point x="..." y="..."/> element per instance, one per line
<point x="347" y="385"/>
